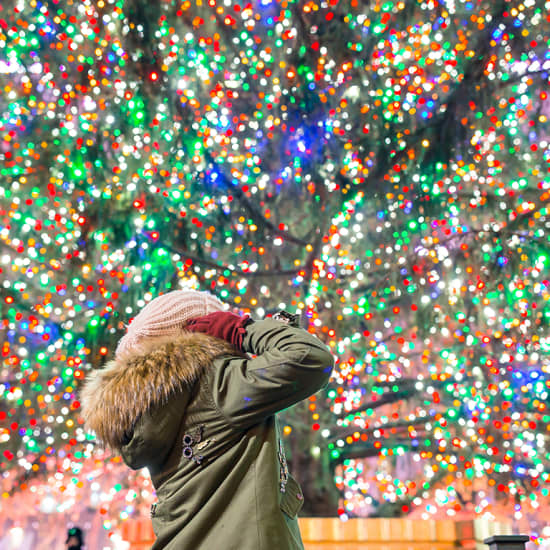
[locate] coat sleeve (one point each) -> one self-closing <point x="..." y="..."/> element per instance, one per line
<point x="289" y="365"/>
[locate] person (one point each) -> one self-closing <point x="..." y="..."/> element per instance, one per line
<point x="75" y="539"/>
<point x="192" y="394"/>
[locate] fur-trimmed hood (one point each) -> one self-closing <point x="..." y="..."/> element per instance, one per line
<point x="116" y="396"/>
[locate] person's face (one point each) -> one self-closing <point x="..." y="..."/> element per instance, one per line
<point x="73" y="543"/>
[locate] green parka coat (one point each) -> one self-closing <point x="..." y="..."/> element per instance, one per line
<point x="201" y="417"/>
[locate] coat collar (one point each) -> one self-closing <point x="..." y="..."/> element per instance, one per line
<point x="114" y="397"/>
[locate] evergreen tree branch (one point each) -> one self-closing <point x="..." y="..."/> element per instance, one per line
<point x="230" y="269"/>
<point x="255" y="212"/>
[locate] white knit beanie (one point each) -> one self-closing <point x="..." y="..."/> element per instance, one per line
<point x="165" y="316"/>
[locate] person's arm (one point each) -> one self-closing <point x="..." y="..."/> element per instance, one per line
<point x="290" y="365"/>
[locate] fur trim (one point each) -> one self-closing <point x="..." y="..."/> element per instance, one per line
<point x="114" y="397"/>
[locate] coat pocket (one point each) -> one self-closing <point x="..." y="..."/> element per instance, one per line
<point x="292" y="499"/>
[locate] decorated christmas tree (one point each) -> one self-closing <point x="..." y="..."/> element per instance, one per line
<point x="380" y="168"/>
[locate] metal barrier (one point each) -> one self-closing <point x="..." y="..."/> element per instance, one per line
<point x="507" y="542"/>
<point x="377" y="534"/>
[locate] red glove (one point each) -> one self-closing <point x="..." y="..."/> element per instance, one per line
<point x="221" y="324"/>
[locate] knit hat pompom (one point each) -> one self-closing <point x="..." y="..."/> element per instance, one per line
<point x="166" y="315"/>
